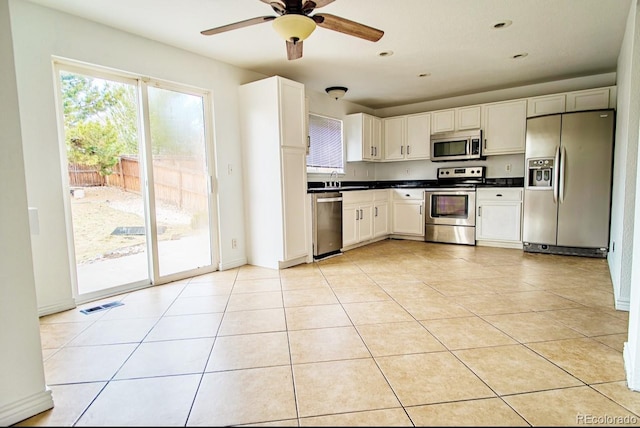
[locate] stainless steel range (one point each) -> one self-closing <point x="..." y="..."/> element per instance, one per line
<point x="451" y="207"/>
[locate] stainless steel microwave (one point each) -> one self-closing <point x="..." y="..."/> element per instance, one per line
<point x="458" y="145"/>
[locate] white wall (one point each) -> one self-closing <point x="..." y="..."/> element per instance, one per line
<point x="23" y="392"/>
<point x="629" y="64"/>
<point x="625" y="162"/>
<point x="63" y="35"/>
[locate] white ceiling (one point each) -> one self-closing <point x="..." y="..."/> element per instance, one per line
<point x="452" y="40"/>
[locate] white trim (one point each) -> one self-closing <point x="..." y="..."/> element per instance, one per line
<point x="26" y="407"/>
<point x="61" y="306"/>
<point x="499" y="244"/>
<point x="232" y="264"/>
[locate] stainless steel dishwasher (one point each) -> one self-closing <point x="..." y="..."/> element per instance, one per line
<point x="327" y="224"/>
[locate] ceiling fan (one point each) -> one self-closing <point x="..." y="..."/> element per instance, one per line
<point x="294" y="24"/>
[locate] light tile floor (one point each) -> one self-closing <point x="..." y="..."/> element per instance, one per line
<point x="396" y="333"/>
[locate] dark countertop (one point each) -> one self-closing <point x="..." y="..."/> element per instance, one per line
<point x="345" y="186"/>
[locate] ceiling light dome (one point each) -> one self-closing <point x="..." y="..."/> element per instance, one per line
<point x="293" y="27"/>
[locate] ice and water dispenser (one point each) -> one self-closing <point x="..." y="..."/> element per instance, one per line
<point x="540" y="173"/>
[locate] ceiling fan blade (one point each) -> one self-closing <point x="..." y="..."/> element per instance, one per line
<point x="294" y="50"/>
<point x="316" y="4"/>
<point x="236" y="25"/>
<point x="277" y="6"/>
<point x="346" y="26"/>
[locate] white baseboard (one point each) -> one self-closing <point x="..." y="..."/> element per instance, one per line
<point x="61" y="306"/>
<point x="232" y="264"/>
<point x="622" y="305"/>
<point x="500" y="244"/>
<point x="25" y="408"/>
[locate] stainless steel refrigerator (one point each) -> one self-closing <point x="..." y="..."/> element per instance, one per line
<point x="568" y="176"/>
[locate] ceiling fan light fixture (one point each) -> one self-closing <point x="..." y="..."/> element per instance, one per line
<point x="293" y="28"/>
<point x="336" y="92"/>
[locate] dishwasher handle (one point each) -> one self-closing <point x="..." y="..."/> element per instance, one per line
<point x="337" y="199"/>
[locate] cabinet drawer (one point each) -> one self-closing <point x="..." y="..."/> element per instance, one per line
<point x="381" y="195"/>
<point x="499" y="194"/>
<point x="408" y="194"/>
<point x="357" y="196"/>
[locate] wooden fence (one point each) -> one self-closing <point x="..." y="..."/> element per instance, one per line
<point x="179" y="182"/>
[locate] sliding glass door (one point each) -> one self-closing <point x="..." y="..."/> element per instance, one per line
<point x="180" y="180"/>
<point x="139" y="181"/>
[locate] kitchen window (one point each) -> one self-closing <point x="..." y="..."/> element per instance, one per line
<point x="326" y="145"/>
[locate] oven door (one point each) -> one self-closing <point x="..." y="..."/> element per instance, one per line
<point x="456" y="207"/>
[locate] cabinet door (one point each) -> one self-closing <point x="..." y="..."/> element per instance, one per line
<point x="394" y="137"/>
<point x="380" y="219"/>
<point x="292" y="114"/>
<point x="418" y="136"/>
<point x="443" y="121"/>
<point x="468" y="118"/>
<point x="350" y="214"/>
<point x="294" y="196"/>
<point x="408" y="218"/>
<point x="596" y="99"/>
<point x="498" y="221"/>
<point x="365" y="224"/>
<point x="367" y="137"/>
<point x="549" y="104"/>
<point x="505" y="127"/>
<point x="376" y="137"/>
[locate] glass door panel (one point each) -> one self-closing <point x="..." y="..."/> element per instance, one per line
<point x="104" y="167"/>
<point x="180" y="181"/>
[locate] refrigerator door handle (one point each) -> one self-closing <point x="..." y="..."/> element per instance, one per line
<point x="556" y="175"/>
<point x="563" y="159"/>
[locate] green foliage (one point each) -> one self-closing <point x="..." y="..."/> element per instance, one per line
<point x="100" y="120"/>
<point x="94" y="144"/>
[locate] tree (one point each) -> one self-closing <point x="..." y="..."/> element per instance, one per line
<point x="100" y="119"/>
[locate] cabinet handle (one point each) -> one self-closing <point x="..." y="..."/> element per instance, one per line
<point x="479" y="211"/>
<point x="371" y="151"/>
<point x="499" y="195"/>
<point x="376" y="208"/>
<point x="361" y="215"/>
<point x="485" y="144"/>
<point x="375" y="151"/>
<point x="357" y="215"/>
<point x="420" y="211"/>
<point x="408" y="149"/>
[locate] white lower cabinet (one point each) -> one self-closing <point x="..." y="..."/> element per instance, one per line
<point x="380" y="213"/>
<point x="357" y="217"/>
<point x="499" y="217"/>
<point x="407" y="212"/>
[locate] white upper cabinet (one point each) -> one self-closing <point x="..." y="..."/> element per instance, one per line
<point x="407" y="137"/>
<point x="468" y="118"/>
<point x="548" y="104"/>
<point x="394" y="131"/>
<point x="505" y="126"/>
<point x="418" y="136"/>
<point x="443" y="121"/>
<point x="593" y="99"/>
<point x="589" y="99"/>
<point x="456" y="119"/>
<point x="363" y="133"/>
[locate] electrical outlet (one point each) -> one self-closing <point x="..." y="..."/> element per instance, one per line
<point x="408" y="171"/>
<point x="507" y="167"/>
<point x="234" y="244"/>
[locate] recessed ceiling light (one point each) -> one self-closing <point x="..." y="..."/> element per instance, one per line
<point x="385" y="53"/>
<point x="424" y="74"/>
<point x="520" y="55"/>
<point x="502" y="24"/>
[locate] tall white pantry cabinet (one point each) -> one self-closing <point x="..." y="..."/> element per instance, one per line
<point x="273" y="131"/>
